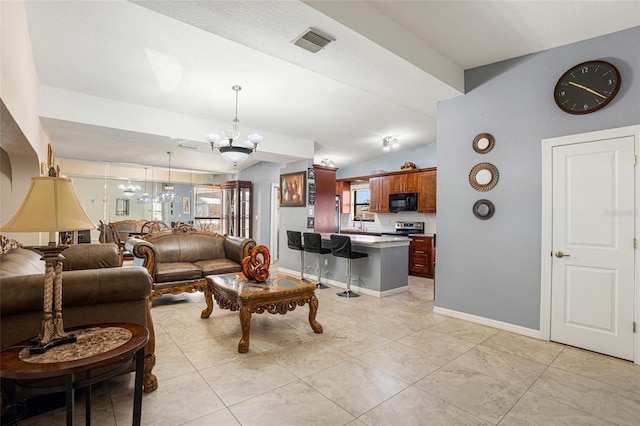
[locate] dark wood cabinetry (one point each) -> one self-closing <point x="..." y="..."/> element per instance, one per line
<point x="421" y="256"/>
<point x="405" y="182"/>
<point x="379" y="194"/>
<point x="325" y="203"/>
<point x="427" y="191"/>
<point x="421" y="181"/>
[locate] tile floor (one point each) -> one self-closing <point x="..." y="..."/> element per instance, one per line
<point x="388" y="361"/>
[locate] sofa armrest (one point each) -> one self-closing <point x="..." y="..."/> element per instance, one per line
<point x="145" y="251"/>
<point x="237" y="248"/>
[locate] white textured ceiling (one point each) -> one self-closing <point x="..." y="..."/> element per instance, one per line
<point x="126" y="81"/>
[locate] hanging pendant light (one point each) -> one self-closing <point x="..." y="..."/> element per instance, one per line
<point x="129" y="190"/>
<point x="145" y="198"/>
<point x="234" y="153"/>
<point x="169" y="194"/>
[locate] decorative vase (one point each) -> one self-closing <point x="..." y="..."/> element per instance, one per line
<point x="255" y="269"/>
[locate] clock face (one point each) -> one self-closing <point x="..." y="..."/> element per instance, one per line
<point x="587" y="87"/>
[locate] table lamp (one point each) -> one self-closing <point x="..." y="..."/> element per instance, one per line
<point x="51" y="206"/>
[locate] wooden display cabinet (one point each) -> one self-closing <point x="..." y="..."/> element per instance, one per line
<point x="236" y="208"/>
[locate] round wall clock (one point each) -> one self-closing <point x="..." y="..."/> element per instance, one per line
<point x="587" y="87"/>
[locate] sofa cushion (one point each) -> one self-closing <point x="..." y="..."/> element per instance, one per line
<point x="188" y="248"/>
<point x="177" y="271"/>
<point x="218" y="266"/>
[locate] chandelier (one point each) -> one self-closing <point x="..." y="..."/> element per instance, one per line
<point x="240" y="151"/>
<point x="390" y="142"/>
<point x="145" y="198"/>
<point x="169" y="194"/>
<point x="129" y="190"/>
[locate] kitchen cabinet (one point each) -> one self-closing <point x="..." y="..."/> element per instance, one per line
<point x="379" y="194"/>
<point x="236" y="208"/>
<point x="405" y="182"/>
<point x="343" y="189"/>
<point x="421" y="256"/>
<point x="427" y="191"/>
<point x="325" y="202"/>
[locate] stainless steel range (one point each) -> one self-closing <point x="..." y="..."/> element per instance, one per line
<point x="407" y="228"/>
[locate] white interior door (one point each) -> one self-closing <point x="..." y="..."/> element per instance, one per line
<point x="592" y="289"/>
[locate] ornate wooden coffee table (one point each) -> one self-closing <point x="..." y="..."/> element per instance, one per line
<point x="277" y="295"/>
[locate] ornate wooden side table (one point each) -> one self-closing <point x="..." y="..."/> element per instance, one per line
<point x="277" y="295"/>
<point x="101" y="352"/>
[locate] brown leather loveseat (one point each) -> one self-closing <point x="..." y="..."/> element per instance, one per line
<point x="179" y="259"/>
<point x="95" y="290"/>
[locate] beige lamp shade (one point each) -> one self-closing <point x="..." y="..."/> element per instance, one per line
<point x="51" y="205"/>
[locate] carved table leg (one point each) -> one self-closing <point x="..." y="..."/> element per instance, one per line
<point x="150" y="381"/>
<point x="245" y="323"/>
<point x="313" y="309"/>
<point x="208" y="297"/>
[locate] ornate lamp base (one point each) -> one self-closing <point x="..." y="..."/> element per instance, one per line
<point x="39" y="348"/>
<point x="52" y="326"/>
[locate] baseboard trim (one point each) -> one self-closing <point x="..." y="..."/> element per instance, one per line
<point x="355" y="288"/>
<point x="529" y="332"/>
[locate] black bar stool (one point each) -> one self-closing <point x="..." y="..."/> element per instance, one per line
<point x="313" y="244"/>
<point x="341" y="247"/>
<point x="294" y="241"/>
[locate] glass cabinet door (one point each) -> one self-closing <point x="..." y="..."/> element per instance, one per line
<point x="236" y="208"/>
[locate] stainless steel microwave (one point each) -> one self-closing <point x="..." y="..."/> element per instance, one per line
<point x="403" y="202"/>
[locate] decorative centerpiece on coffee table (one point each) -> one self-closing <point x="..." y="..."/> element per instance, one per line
<point x="255" y="269"/>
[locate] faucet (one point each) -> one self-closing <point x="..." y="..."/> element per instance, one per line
<point x="361" y="227"/>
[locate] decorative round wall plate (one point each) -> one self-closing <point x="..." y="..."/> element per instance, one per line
<point x="483" y="209"/>
<point x="483" y="177"/>
<point x="483" y="143"/>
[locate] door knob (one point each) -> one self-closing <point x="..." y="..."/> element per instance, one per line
<point x="560" y="254"/>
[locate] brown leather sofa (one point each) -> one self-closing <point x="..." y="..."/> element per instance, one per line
<point x="95" y="290"/>
<point x="179" y="259"/>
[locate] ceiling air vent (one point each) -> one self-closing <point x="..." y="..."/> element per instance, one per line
<point x="188" y="144"/>
<point x="313" y="40"/>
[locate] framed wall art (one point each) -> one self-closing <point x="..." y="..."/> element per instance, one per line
<point x="293" y="189"/>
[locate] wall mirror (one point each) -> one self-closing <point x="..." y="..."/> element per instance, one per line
<point x="483" y="143"/>
<point x="483" y="209"/>
<point x="483" y="176"/>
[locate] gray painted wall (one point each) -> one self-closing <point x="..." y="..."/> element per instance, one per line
<point x="292" y="218"/>
<point x="262" y="175"/>
<point x="492" y="268"/>
<point x="423" y="156"/>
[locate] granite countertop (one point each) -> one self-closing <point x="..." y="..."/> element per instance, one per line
<point x="374" y="240"/>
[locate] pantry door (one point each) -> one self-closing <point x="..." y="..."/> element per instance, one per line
<point x="593" y="258"/>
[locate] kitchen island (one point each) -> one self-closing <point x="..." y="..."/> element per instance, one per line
<point x="382" y="273"/>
